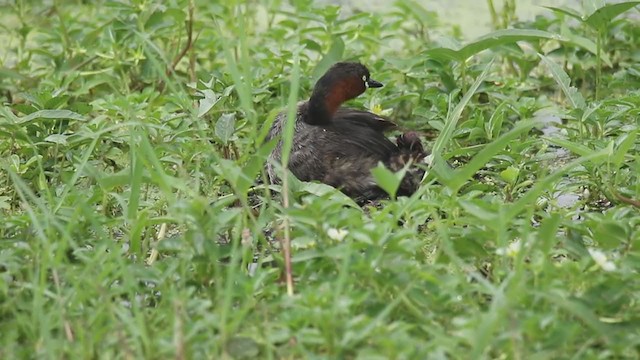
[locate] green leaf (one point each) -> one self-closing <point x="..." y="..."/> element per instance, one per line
<point x="454" y="115"/>
<point x="494" y="125"/>
<point x="8" y="73"/>
<point x="51" y="114"/>
<point x="57" y="139"/>
<point x="602" y="17"/>
<point x="56" y="102"/>
<point x="493" y="39"/>
<point x="510" y="174"/>
<point x="610" y="234"/>
<point x="332" y="56"/>
<point x="578" y="310"/>
<point x="588" y="45"/>
<point x="530" y="197"/>
<point x="226" y="126"/>
<point x="209" y="100"/>
<point x="547" y="233"/>
<point x="320" y="189"/>
<point x="486" y="154"/>
<point x="387" y="179"/>
<point x="575" y="148"/>
<point x="563" y="80"/>
<point x="566" y="11"/>
<point x="624" y="147"/>
<point x="479" y="209"/>
<point x="5" y="203"/>
<point x="240" y="347"/>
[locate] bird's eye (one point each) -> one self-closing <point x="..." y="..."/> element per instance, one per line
<point x="366" y="83"/>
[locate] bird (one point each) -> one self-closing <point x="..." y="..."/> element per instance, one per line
<point x="339" y="146"/>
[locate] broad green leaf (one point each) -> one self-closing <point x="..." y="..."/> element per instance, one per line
<point x="209" y="100"/>
<point x="226" y="126"/>
<point x="8" y="73"/>
<point x="442" y="170"/>
<point x="468" y="247"/>
<point x="602" y="17"/>
<point x="242" y="347"/>
<point x="57" y="139"/>
<point x="563" y="80"/>
<point x="510" y="174"/>
<point x="387" y="179"/>
<point x="609" y="234"/>
<point x="320" y="189"/>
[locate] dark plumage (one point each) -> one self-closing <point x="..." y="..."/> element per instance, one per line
<point x="339" y="146"/>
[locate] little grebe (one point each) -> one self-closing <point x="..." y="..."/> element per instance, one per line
<point x="339" y="146"/>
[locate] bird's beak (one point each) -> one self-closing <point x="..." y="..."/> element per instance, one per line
<point x="373" y="84"/>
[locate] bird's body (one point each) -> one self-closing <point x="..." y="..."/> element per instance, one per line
<point x="339" y="146"/>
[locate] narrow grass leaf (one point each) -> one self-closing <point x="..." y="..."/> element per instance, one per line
<point x="548" y="233"/>
<point x="576" y="148"/>
<point x="332" y="56"/>
<point x="52" y="114"/>
<point x="453" y="116"/>
<point x="566" y="11"/>
<point x="137" y="168"/>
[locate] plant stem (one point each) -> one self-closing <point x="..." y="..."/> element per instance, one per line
<point x="598" y="63"/>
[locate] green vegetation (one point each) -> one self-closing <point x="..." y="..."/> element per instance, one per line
<point x="131" y="136"/>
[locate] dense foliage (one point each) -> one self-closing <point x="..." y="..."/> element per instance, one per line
<point x="133" y="225"/>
